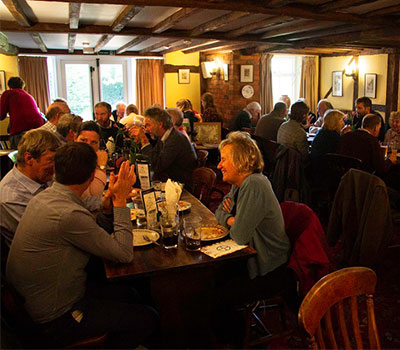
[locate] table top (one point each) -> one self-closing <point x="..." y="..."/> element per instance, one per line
<point x="153" y="259"/>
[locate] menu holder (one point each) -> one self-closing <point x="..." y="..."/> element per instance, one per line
<point x="149" y="200"/>
<point x="143" y="170"/>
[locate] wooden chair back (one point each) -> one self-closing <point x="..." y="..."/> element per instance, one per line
<point x="5" y="142"/>
<point x="203" y="182"/>
<point x="329" y="300"/>
<point x="268" y="150"/>
<point x="202" y="156"/>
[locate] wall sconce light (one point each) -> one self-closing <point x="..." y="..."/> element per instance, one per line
<point x="351" y="69"/>
<point x="214" y="69"/>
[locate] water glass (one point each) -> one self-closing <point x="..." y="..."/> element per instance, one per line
<point x="140" y="212"/>
<point x="152" y="220"/>
<point x="192" y="238"/>
<point x="169" y="230"/>
<point x="157" y="185"/>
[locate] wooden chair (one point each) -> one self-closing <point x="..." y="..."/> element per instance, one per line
<point x="268" y="150"/>
<point x="203" y="183"/>
<point x="330" y="299"/>
<point x="202" y="156"/>
<point x="5" y="142"/>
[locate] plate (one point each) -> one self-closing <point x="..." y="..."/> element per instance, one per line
<point x="183" y="205"/>
<point x="212" y="232"/>
<point x="138" y="239"/>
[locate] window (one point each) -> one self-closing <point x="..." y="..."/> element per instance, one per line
<point x="286" y="73"/>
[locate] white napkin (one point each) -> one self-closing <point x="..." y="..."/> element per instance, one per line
<point x="173" y="191"/>
<point x="222" y="248"/>
<point x="110" y="146"/>
<point x="132" y="119"/>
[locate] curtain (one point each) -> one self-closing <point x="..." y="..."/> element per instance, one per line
<point x="33" y="70"/>
<point x="266" y="99"/>
<point x="149" y="83"/>
<point x="309" y="82"/>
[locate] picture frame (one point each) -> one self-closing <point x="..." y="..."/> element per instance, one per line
<point x="337" y="84"/>
<point x="246" y="73"/>
<point x="183" y="76"/>
<point x="370" y="85"/>
<point x="207" y="132"/>
<point x="3" y="86"/>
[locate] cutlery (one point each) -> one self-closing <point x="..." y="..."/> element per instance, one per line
<point x="148" y="239"/>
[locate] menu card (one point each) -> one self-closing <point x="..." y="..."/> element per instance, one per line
<point x="144" y="174"/>
<point x="149" y="200"/>
<point x="222" y="248"/>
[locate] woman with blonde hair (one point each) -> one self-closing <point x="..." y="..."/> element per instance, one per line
<point x="326" y="141"/>
<point x="186" y="107"/>
<point x="252" y="214"/>
<point x="393" y="134"/>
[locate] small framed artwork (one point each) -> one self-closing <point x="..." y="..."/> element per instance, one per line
<point x="246" y="73"/>
<point x="370" y="85"/>
<point x="2" y="81"/>
<point x="337" y="83"/>
<point x="184" y="76"/>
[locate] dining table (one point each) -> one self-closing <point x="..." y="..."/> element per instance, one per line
<point x="181" y="282"/>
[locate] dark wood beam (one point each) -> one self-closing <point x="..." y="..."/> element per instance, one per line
<point x="183" y="45"/>
<point x="245" y="5"/>
<point x="341" y="4"/>
<point x="133" y="42"/>
<point x="383" y="11"/>
<point x="102" y="42"/>
<point x="176" y="17"/>
<point x="71" y="42"/>
<point x="392" y="85"/>
<point x="256" y="25"/>
<point x="170" y="68"/>
<point x="208" y="46"/>
<point x="217" y="23"/>
<point x="162" y="43"/>
<point x="17" y="11"/>
<point x="80" y="52"/>
<point x="231" y="47"/>
<point x="74" y="13"/>
<point x="39" y="41"/>
<point x="355" y="80"/>
<point x="125" y="17"/>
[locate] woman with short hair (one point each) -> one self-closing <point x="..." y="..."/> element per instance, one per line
<point x="252" y="213"/>
<point x="210" y="113"/>
<point x="393" y="134"/>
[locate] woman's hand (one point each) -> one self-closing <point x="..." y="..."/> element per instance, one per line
<point x="230" y="221"/>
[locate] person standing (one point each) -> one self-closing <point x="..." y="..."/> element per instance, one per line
<point x="22" y="109"/>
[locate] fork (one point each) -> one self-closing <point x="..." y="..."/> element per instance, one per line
<point x="148" y="239"/>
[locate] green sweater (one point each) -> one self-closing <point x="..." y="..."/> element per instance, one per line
<point x="258" y="223"/>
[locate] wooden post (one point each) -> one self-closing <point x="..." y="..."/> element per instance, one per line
<point x="355" y="86"/>
<point x="392" y="86"/>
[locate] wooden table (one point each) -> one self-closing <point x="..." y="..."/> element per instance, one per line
<point x="181" y="283"/>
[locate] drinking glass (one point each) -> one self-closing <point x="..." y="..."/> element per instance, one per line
<point x="140" y="212"/>
<point x="152" y="220"/>
<point x="169" y="230"/>
<point x="157" y="185"/>
<point x="192" y="238"/>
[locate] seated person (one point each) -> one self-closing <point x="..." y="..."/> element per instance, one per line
<point x="326" y="141"/>
<point x="393" y="134"/>
<point x="109" y="130"/>
<point x="177" y="119"/>
<point x="67" y="127"/>
<point x="291" y="133"/>
<point x="52" y="246"/>
<point x="269" y="124"/>
<point x="210" y="113"/>
<point x="263" y="229"/>
<point x="363" y="144"/>
<point x="119" y="112"/>
<point x="185" y="106"/>
<point x="363" y="106"/>
<point x="247" y="117"/>
<point x="53" y="114"/>
<point x="32" y="174"/>
<point x="89" y="132"/>
<point x="172" y="156"/>
<point x="322" y="107"/>
<point x="132" y="109"/>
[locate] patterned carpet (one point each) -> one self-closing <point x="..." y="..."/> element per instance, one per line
<point x="387" y="297"/>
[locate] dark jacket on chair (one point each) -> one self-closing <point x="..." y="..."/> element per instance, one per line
<point x="361" y="217"/>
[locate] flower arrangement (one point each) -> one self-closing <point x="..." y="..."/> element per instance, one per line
<point x="349" y="119"/>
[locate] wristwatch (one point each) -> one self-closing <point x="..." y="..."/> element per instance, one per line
<point x="102" y="167"/>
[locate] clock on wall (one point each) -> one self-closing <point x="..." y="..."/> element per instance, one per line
<point x="247" y="91"/>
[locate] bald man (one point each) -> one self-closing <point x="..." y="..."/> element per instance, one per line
<point x="53" y="114"/>
<point x="247" y="118"/>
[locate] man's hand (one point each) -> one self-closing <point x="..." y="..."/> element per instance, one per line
<point x="102" y="158"/>
<point x="121" y="185"/>
<point x="138" y="134"/>
<point x="106" y="202"/>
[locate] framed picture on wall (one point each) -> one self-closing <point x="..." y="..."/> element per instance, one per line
<point x="370" y="85"/>
<point x="184" y="76"/>
<point x="2" y="81"/>
<point x="337" y="84"/>
<point x="246" y="73"/>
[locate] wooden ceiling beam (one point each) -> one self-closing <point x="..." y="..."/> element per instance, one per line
<point x="208" y="46"/>
<point x="80" y="52"/>
<point x="132" y="43"/>
<point x="162" y="43"/>
<point x="306" y="11"/>
<point x="217" y="23"/>
<point x="256" y="25"/>
<point x="17" y="11"/>
<point x="6" y="48"/>
<point x="102" y="42"/>
<point x="74" y="14"/>
<point x="39" y="41"/>
<point x="383" y="11"/>
<point x="341" y="4"/>
<point x="125" y="17"/>
<point x="176" y="17"/>
<point x="184" y="44"/>
<point x="71" y="42"/>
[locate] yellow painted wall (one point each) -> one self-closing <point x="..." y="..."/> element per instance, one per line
<point x="10" y="65"/>
<point x="367" y="64"/>
<point x="175" y="91"/>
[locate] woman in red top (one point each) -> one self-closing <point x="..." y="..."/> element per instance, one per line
<point x="210" y="113"/>
<point x="22" y="108"/>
